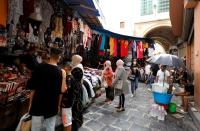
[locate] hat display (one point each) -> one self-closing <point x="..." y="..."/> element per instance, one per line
<point x="36" y="15"/>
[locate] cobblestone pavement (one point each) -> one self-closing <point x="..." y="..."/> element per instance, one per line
<point x="103" y="117"/>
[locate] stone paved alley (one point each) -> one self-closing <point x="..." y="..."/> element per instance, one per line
<point x="103" y="117"/>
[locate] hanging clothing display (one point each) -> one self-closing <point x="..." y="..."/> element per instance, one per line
<point x="140" y="50"/>
<point x="111" y="42"/>
<point x="47" y="12"/>
<point x="28" y="7"/>
<point x="4" y="12"/>
<point x="133" y="49"/>
<point x="103" y="42"/>
<point x="58" y="32"/>
<point x="124" y="48"/>
<point x="68" y="25"/>
<point x="15" y="10"/>
<point x="115" y="47"/>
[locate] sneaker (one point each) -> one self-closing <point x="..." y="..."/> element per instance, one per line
<point x="132" y="95"/>
<point x="120" y="109"/>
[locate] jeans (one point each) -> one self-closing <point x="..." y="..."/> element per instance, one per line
<point x="134" y="85"/>
<point x="38" y="123"/>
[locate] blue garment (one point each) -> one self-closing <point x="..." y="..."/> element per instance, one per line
<point x="103" y="42"/>
<point x="134" y="85"/>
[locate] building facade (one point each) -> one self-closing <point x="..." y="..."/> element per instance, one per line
<point x="185" y="19"/>
<point x="153" y="21"/>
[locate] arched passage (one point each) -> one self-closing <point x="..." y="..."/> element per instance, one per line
<point x="163" y="36"/>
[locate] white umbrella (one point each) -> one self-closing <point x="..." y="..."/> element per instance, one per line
<point x="166" y="59"/>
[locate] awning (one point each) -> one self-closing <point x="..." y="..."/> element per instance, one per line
<point x="87" y="10"/>
<point x="120" y="36"/>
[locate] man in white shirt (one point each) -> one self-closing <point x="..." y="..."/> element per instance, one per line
<point x="163" y="75"/>
<point x="147" y="71"/>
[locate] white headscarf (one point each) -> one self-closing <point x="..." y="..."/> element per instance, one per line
<point x="120" y="63"/>
<point x="76" y="61"/>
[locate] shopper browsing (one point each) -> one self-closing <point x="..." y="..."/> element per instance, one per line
<point x="47" y="83"/>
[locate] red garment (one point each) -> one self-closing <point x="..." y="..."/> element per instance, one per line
<point x="3" y="12"/>
<point x="108" y="76"/>
<point x="100" y="52"/>
<point x="115" y="48"/>
<point x="28" y="7"/>
<point x="124" y="48"/>
<point x="68" y="25"/>
<point x="140" y="50"/>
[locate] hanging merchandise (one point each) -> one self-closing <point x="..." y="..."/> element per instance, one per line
<point x="124" y="48"/>
<point x="111" y="42"/>
<point x="58" y="32"/>
<point x="134" y="49"/>
<point x="103" y="42"/>
<point x="115" y="48"/>
<point x="140" y="49"/>
<point x="4" y="12"/>
<point x="15" y="10"/>
<point x="46" y="12"/>
<point x="68" y="25"/>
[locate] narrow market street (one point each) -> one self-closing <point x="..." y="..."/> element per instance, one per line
<point x="103" y="117"/>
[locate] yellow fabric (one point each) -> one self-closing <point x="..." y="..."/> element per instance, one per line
<point x="145" y="45"/>
<point x="111" y="46"/>
<point x="3" y="12"/>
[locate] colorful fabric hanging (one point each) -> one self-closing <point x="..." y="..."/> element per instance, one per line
<point x="111" y="42"/>
<point x="103" y="41"/>
<point x="100" y="52"/>
<point x="140" y="50"/>
<point x="115" y="48"/>
<point x="145" y="45"/>
<point x="133" y="46"/>
<point x="3" y="12"/>
<point x="124" y="48"/>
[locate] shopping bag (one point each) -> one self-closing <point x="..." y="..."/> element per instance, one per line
<point x="131" y="77"/>
<point x="119" y="85"/>
<point x="25" y="123"/>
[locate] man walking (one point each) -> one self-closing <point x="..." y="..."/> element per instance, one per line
<point x="47" y="83"/>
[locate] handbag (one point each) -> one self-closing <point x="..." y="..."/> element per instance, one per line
<point x="131" y="77"/>
<point x="119" y="84"/>
<point x="104" y="84"/>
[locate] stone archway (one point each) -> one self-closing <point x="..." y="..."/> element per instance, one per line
<point x="163" y="35"/>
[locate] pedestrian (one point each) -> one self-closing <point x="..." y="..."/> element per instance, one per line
<point x="46" y="84"/>
<point x="77" y="106"/>
<point x="163" y="75"/>
<point x="107" y="78"/>
<point x="76" y="61"/>
<point x="120" y="76"/>
<point x="67" y="99"/>
<point x="133" y="77"/>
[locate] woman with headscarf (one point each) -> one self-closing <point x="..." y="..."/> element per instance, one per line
<point x="120" y="75"/>
<point x="76" y="61"/>
<point x="107" y="78"/>
<point x="77" y="94"/>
